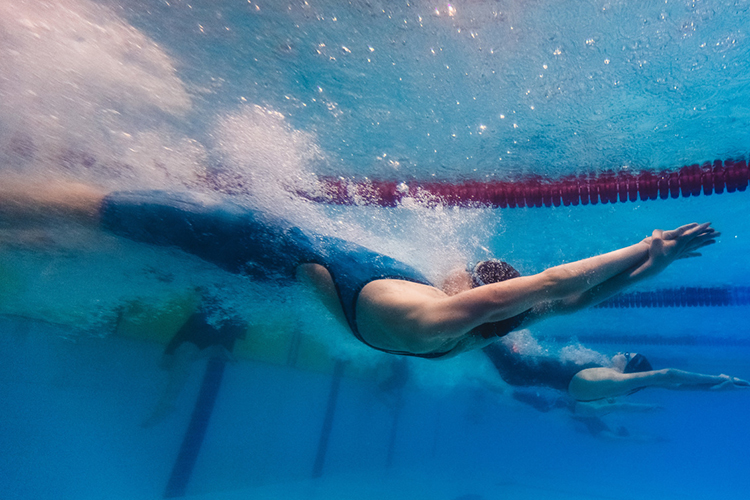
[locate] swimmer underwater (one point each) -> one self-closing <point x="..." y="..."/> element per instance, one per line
<point x="387" y="304"/>
<point x="597" y="381"/>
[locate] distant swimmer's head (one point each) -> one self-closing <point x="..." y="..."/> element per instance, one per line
<point x="631" y="362"/>
<point x="492" y="271"/>
<point x="638" y="363"/>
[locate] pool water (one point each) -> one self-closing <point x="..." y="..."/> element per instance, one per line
<point x="265" y="99"/>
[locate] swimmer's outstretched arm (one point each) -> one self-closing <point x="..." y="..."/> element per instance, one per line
<point x="566" y="287"/>
<point x="664" y="247"/>
<point x="462" y="312"/>
<point x="601" y="383"/>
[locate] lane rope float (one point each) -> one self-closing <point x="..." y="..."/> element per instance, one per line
<point x="717" y="177"/>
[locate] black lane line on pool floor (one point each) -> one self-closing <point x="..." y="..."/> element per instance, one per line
<point x="196" y="431"/>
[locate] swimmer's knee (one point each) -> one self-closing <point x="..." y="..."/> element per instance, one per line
<point x="314" y="275"/>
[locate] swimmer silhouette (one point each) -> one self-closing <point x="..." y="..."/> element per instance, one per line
<point x="588" y="389"/>
<point x="624" y="374"/>
<point x="387" y="304"/>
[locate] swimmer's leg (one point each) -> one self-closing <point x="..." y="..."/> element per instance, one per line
<point x="317" y="278"/>
<point x="27" y="200"/>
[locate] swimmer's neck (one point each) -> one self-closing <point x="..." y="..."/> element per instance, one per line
<point x="456" y="282"/>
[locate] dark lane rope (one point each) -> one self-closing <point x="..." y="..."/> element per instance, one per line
<point x="648" y="339"/>
<point x="608" y="187"/>
<point x="681" y="297"/>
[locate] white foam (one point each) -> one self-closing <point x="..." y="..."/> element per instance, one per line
<point x="266" y="157"/>
<point x="82" y="92"/>
<point x="271" y="159"/>
<point x="524" y="343"/>
<point x="581" y="355"/>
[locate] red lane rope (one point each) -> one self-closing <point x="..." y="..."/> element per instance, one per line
<point x="608" y="187"/>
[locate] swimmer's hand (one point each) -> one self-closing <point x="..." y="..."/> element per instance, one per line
<point x="680" y="243"/>
<point x="730" y="383"/>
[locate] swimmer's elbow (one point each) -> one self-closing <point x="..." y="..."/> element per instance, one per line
<point x="555" y="283"/>
<point x="592" y="384"/>
<point x="667" y="377"/>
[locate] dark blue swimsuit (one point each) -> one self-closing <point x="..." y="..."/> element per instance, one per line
<point x="528" y="370"/>
<point x="250" y="243"/>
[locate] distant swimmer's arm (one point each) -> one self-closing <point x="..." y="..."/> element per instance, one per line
<point x="600" y="409"/>
<point x="689" y="381"/>
<point x="24" y="200"/>
<point x="601" y="383"/>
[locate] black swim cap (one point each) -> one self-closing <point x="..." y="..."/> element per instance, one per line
<point x="492" y="271"/>
<point x="637" y="363"/>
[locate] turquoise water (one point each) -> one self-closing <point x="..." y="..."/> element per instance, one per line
<point x="274" y="95"/>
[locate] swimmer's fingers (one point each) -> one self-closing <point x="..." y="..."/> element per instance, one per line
<point x="730" y="383"/>
<point x="688" y="231"/>
<point x="723" y="386"/>
<point x="691" y="249"/>
<point x="705" y="235"/>
<point x="696" y="244"/>
<point x="702" y="242"/>
<point x="696" y="229"/>
<point x="700" y="233"/>
<point x="674" y="233"/>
